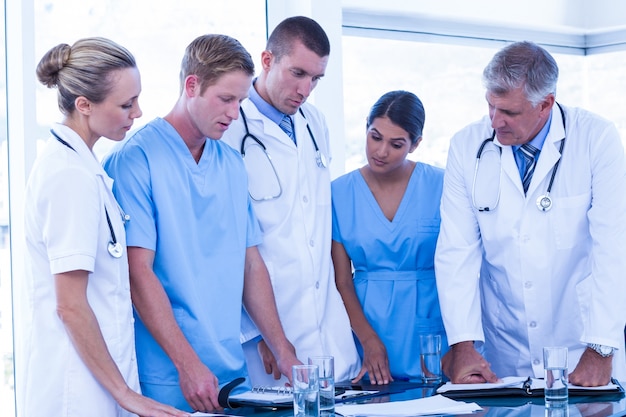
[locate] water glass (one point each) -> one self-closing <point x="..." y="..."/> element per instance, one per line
<point x="430" y="358"/>
<point x="555" y="365"/>
<point x="557" y="411"/>
<point x="306" y="391"/>
<point x="326" y="365"/>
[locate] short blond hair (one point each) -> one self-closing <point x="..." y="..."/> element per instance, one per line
<point x="211" y="56"/>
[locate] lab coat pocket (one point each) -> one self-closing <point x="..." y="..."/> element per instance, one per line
<point x="570" y="219"/>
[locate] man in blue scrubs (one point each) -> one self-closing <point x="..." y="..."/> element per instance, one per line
<point x="193" y="236"/>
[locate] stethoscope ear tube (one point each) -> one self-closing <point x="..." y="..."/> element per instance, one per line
<point x="320" y="158"/>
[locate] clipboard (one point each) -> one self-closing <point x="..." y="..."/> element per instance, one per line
<point x="522" y="387"/>
<point x="281" y="397"/>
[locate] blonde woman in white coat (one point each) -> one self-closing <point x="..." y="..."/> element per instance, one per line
<point x="80" y="357"/>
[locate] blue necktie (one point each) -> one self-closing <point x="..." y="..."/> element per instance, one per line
<point x="287" y="126"/>
<point x="529" y="153"/>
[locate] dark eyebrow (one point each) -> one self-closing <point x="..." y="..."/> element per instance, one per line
<point x="302" y="70"/>
<point x="402" y="138"/>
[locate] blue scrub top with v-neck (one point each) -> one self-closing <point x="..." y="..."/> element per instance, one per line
<point x="198" y="219"/>
<point x="393" y="261"/>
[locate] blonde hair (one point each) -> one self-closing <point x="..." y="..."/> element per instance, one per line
<point x="82" y="69"/>
<point x="211" y="56"/>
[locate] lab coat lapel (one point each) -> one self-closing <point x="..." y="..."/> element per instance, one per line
<point x="549" y="152"/>
<point x="509" y="167"/>
<point x="300" y="123"/>
<point x="271" y="131"/>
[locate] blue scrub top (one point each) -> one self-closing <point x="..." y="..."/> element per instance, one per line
<point x="198" y="219"/>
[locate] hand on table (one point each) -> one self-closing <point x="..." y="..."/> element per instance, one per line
<point x="464" y="365"/>
<point x="592" y="370"/>
<point x="375" y="362"/>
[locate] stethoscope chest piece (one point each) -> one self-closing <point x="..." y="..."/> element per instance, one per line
<point x="544" y="202"/>
<point x="320" y="159"/>
<point x="115" y="249"/>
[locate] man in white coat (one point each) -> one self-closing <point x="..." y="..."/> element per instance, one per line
<point x="291" y="198"/>
<point x="532" y="250"/>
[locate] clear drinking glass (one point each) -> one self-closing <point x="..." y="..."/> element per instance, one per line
<point x="306" y="391"/>
<point x="430" y="358"/>
<point x="555" y="365"/>
<point x="326" y="365"/>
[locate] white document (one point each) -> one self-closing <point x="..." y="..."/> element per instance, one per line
<point x="437" y="404"/>
<point x="506" y="382"/>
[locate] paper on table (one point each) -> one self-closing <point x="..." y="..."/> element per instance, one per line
<point x="437" y="404"/>
<point x="264" y="397"/>
<point x="199" y="413"/>
<point x="506" y="382"/>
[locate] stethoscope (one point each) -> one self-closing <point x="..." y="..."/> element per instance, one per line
<point x="544" y="202"/>
<point x="320" y="159"/>
<point x="114" y="247"/>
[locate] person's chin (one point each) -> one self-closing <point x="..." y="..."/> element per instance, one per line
<point x="506" y="138"/>
<point x="117" y="137"/>
<point x="217" y="135"/>
<point x="291" y="108"/>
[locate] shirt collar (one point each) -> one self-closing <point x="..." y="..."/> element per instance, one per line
<point x="265" y="108"/>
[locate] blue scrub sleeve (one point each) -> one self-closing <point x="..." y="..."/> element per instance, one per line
<point x="129" y="168"/>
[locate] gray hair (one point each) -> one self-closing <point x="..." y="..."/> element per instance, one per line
<point x="522" y="64"/>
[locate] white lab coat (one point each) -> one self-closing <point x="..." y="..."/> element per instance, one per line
<point x="66" y="230"/>
<point x="296" y="243"/>
<point x="547" y="278"/>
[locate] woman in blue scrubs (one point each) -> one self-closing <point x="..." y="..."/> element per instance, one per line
<point x="385" y="227"/>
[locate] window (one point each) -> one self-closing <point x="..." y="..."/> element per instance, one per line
<point x="447" y="78"/>
<point x="6" y="317"/>
<point x="158" y="46"/>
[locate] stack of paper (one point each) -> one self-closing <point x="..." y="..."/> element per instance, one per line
<point x="437" y="404"/>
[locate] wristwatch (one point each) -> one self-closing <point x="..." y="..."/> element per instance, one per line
<point x="604" y="351"/>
